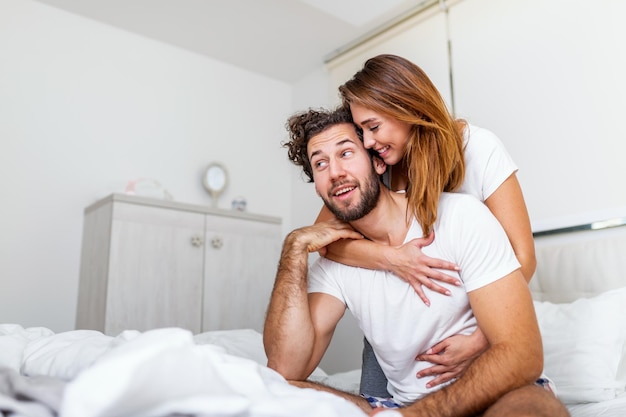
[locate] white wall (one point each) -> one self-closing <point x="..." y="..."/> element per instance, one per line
<point x="548" y="78"/>
<point x="85" y="107"/>
<point x="421" y="39"/>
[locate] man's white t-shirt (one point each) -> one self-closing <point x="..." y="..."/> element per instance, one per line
<point x="390" y="313"/>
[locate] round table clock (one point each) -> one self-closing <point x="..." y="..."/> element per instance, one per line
<point x="214" y="180"/>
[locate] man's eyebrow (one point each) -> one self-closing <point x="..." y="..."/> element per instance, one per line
<point x="338" y="144"/>
<point x="344" y="141"/>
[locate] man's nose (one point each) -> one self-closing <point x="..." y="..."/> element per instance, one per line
<point x="336" y="170"/>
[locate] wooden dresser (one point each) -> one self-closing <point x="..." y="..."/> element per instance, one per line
<point x="149" y="263"/>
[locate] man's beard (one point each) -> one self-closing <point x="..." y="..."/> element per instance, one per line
<point x="369" y="198"/>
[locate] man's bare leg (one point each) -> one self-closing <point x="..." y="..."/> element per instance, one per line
<point x="529" y="401"/>
<point x="356" y="399"/>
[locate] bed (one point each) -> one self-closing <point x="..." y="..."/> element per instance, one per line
<point x="161" y="372"/>
<point x="580" y="294"/>
<point x="580" y="298"/>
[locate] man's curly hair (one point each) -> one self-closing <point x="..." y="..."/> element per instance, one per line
<point x="304" y="125"/>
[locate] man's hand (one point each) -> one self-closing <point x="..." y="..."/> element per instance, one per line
<point x="313" y="238"/>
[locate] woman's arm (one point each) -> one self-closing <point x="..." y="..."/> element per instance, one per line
<point x="508" y="206"/>
<point x="406" y="261"/>
<point x="452" y="356"/>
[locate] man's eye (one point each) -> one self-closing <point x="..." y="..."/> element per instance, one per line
<point x="320" y="164"/>
<point x="346" y="153"/>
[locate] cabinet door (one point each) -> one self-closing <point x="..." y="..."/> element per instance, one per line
<point x="94" y="266"/>
<point x="155" y="270"/>
<point x="240" y="266"/>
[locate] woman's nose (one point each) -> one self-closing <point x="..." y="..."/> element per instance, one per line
<point x="368" y="140"/>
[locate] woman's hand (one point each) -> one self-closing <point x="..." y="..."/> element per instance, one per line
<point x="409" y="263"/>
<point x="452" y="357"/>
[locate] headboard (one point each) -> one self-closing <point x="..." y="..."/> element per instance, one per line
<point x="579" y="261"/>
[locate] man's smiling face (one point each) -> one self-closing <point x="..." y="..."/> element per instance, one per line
<point x="343" y="171"/>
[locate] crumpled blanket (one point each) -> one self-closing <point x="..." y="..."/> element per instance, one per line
<point x="158" y="373"/>
<point x="22" y="396"/>
<point x="163" y="372"/>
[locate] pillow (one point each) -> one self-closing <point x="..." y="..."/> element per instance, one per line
<point x="13" y="341"/>
<point x="348" y="381"/>
<point x="584" y="344"/>
<point x="65" y="355"/>
<point x="245" y="343"/>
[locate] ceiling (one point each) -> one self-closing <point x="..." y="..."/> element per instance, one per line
<point x="282" y="39"/>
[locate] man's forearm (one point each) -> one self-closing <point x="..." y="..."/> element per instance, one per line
<point x="288" y="335"/>
<point x="498" y="370"/>
<point x="294" y="346"/>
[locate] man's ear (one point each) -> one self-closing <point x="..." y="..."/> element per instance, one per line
<point x="379" y="165"/>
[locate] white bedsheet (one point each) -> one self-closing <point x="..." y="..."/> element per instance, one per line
<point x="160" y="373"/>
<point x="167" y="371"/>
<point x="611" y="408"/>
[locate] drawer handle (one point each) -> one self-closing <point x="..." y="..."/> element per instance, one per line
<point x="197" y="241"/>
<point x="217" y="242"/>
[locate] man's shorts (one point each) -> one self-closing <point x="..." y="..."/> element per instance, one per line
<point x="547" y="384"/>
<point x="376" y="402"/>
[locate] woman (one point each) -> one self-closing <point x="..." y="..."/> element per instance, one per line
<point x="404" y="119"/>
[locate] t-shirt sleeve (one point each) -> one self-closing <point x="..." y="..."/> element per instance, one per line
<point x="485" y="254"/>
<point x="488" y="163"/>
<point x="320" y="279"/>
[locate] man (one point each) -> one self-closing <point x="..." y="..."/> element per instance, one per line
<point x="494" y="295"/>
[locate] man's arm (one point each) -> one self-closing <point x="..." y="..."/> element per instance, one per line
<point x="505" y="313"/>
<point x="299" y="326"/>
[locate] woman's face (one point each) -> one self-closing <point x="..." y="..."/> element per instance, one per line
<point x="384" y="134"/>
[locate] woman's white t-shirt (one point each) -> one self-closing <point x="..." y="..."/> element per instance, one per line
<point x="487" y="163"/>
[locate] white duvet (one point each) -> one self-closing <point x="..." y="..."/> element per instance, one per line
<point x="162" y="372"/>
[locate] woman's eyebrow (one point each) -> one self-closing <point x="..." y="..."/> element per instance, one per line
<point x="371" y="119"/>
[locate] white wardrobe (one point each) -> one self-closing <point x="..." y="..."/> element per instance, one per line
<point x="149" y="263"/>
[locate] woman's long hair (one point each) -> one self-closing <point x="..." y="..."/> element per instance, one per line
<point x="397" y="88"/>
